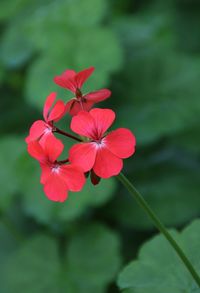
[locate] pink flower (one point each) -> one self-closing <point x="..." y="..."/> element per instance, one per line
<point x="40" y="129"/>
<point x="74" y="81"/>
<point x="103" y="153"/>
<point x="57" y="178"/>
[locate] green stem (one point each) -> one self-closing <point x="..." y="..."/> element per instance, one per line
<point x="56" y="129"/>
<point x="140" y="200"/>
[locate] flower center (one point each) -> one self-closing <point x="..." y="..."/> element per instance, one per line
<point x="48" y="129"/>
<point x="55" y="169"/>
<point x="78" y="94"/>
<point x="99" y="142"/>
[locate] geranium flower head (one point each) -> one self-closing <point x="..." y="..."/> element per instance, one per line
<point x="102" y="153"/>
<point x="57" y="178"/>
<point x="52" y="113"/>
<point x="73" y="81"/>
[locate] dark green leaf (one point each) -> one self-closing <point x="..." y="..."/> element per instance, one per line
<point x="34" y="267"/>
<point x="93" y="257"/>
<point x="11" y="147"/>
<point x="160" y="86"/>
<point x="158" y="266"/>
<point x="90" y="264"/>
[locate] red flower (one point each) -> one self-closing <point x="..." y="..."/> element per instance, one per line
<point x="74" y="81"/>
<point x="56" y="177"/>
<point x="102" y="153"/>
<point x="42" y="129"/>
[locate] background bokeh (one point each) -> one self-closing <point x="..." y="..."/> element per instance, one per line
<point x="148" y="54"/>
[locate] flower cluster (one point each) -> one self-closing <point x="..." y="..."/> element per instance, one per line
<point x="97" y="152"/>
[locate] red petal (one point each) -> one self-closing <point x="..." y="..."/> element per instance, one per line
<point x="73" y="176"/>
<point x="46" y="172"/>
<point x="98" y="96"/>
<point x="55" y="188"/>
<point x="83" y="75"/>
<point x="36" y="131"/>
<point x="69" y="105"/>
<point x="69" y="73"/>
<point x="103" y="119"/>
<point x="83" y="124"/>
<point x="36" y="151"/>
<point x="57" y="112"/>
<point x="78" y="107"/>
<point x="87" y="105"/>
<point x="106" y="163"/>
<point x="66" y="80"/>
<point x="48" y="104"/>
<point x="83" y="155"/>
<point x="75" y="108"/>
<point x="44" y="137"/>
<point x="120" y="142"/>
<point x="53" y="148"/>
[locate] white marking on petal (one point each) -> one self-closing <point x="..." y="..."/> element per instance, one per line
<point x="48" y="130"/>
<point x="56" y="169"/>
<point x="98" y="144"/>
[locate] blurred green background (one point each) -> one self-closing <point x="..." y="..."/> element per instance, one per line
<point x="148" y="54"/>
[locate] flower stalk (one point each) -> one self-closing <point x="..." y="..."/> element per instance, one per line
<point x="56" y="129"/>
<point x="143" y="204"/>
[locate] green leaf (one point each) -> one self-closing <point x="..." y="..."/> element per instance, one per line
<point x="16" y="49"/>
<point x="93" y="257"/>
<point x="186" y="23"/>
<point x="90" y="264"/>
<point x="45" y="211"/>
<point x="158" y="266"/>
<point x="37" y="88"/>
<point x="70" y="50"/>
<point x="168" y="111"/>
<point x="11" y="147"/>
<point x="8" y="245"/>
<point x="2" y="73"/>
<point x="65" y="13"/>
<point x="10" y="8"/>
<point x="85" y="13"/>
<point x="159" y="81"/>
<point x="108" y="54"/>
<point x="34" y="267"/>
<point x="187" y="139"/>
<point x="70" y="33"/>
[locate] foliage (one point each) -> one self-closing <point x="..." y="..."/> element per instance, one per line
<point x="153" y="272"/>
<point x="148" y="54"/>
<point x="86" y="262"/>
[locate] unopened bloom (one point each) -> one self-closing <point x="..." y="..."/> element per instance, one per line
<point x="73" y="81"/>
<point x="102" y="153"/>
<point x="57" y="178"/>
<point x="40" y="129"/>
